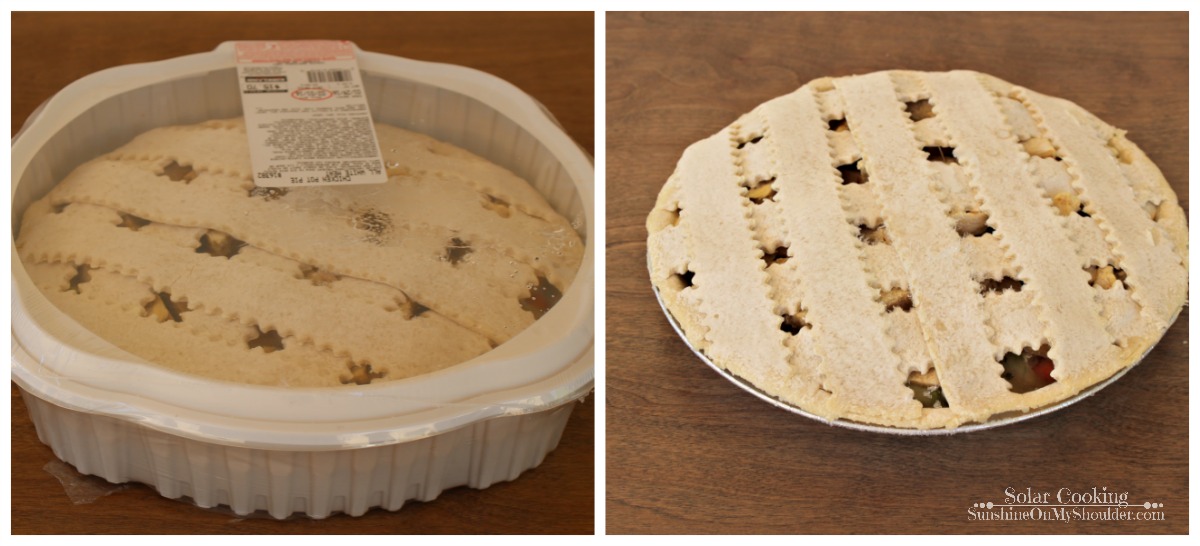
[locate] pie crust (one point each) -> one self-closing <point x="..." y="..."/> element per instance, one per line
<point x="167" y="249"/>
<point x="863" y="238"/>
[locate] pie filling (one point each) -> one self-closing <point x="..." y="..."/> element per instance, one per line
<point x="927" y="390"/>
<point x="1029" y="370"/>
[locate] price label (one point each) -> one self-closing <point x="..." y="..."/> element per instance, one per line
<point x="306" y="114"/>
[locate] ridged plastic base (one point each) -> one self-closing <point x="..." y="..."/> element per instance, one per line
<point x="314" y="483"/>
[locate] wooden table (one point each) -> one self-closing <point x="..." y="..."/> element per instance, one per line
<point x="549" y="56"/>
<point x="689" y="452"/>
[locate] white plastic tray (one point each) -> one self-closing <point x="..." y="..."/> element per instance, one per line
<point x="314" y="451"/>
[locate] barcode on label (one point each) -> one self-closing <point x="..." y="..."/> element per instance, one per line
<point x="322" y="76"/>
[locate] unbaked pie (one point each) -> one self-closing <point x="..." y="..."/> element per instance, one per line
<point x="919" y="250"/>
<point x="167" y="249"/>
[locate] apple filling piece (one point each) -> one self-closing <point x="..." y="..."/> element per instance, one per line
<point x="927" y="389"/>
<point x="1105" y="277"/>
<point x="896" y="298"/>
<point x="1028" y="371"/>
<point x="762" y="192"/>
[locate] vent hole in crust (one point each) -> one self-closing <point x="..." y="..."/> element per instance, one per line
<point x="764" y="191"/>
<point x="792" y="324"/>
<point x="838" y="125"/>
<point x="971" y="223"/>
<point x="944" y="154"/>
<point x="927" y="389"/>
<point x="1040" y="147"/>
<point x="754" y="140"/>
<point x="82" y="275"/>
<point x="177" y="172"/>
<point x="59" y="208"/>
<point x="319" y="277"/>
<point x="1028" y="371"/>
<point x="1105" y="277"/>
<point x="497" y="205"/>
<point x="362" y="374"/>
<point x="684" y="280"/>
<point x="992" y="286"/>
<point x="919" y="110"/>
<point x="456" y="251"/>
<point x="416" y="309"/>
<point x="541" y="297"/>
<point x="874" y="235"/>
<point x="216" y="243"/>
<point x="268" y="194"/>
<point x="778" y="256"/>
<point x="269" y="341"/>
<point x="853" y="173"/>
<point x="163" y="308"/>
<point x="896" y="298"/>
<point x="132" y="222"/>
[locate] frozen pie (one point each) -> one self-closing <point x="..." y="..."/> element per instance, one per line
<point x="167" y="249"/>
<point x="919" y="250"/>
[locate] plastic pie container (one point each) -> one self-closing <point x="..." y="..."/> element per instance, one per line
<point x="308" y="451"/>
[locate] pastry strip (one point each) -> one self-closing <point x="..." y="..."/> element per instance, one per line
<point x="858" y="365"/>
<point x="945" y="297"/>
<point x="730" y="285"/>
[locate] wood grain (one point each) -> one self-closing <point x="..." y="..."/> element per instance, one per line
<point x="548" y="55"/>
<point x="688" y="452"/>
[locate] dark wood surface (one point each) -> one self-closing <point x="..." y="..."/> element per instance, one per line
<point x="688" y="452"/>
<point x="549" y="56"/>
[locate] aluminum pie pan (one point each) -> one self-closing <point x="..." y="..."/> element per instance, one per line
<point x="998" y="420"/>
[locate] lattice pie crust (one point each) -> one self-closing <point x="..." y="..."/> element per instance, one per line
<point x="919" y="250"/>
<point x="166" y="248"/>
